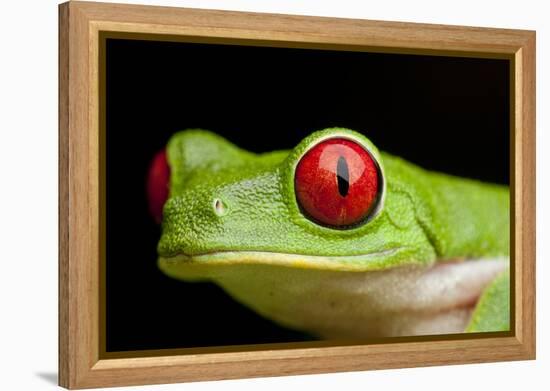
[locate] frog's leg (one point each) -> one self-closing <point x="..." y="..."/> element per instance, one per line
<point x="492" y="312"/>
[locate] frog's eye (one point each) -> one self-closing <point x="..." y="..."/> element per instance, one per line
<point x="337" y="183"/>
<point x="157" y="185"/>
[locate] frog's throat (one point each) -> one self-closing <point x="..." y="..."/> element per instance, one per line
<point x="363" y="262"/>
<point x="400" y="301"/>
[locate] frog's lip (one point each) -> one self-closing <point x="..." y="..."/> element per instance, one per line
<point x="362" y="262"/>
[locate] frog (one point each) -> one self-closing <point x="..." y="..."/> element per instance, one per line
<point x="334" y="237"/>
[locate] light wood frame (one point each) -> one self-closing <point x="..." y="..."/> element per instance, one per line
<point x="80" y="23"/>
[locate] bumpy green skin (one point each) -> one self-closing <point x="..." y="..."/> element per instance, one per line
<point x="426" y="216"/>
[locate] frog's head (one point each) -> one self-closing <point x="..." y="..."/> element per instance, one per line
<point x="326" y="204"/>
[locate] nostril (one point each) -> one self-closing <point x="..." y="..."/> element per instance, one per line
<point x="219" y="207"/>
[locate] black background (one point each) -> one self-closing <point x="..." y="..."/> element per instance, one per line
<point x="444" y="113"/>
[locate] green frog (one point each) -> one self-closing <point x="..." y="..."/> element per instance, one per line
<point x="334" y="237"/>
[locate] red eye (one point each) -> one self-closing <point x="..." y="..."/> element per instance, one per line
<point x="337" y="182"/>
<point x="157" y="185"/>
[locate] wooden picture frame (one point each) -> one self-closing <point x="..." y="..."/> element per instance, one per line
<point x="81" y="363"/>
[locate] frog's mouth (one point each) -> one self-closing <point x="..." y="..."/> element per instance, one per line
<point x="375" y="260"/>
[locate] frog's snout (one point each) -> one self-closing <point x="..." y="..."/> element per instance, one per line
<point x="193" y="221"/>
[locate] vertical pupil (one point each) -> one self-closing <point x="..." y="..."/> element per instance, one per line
<point x="342" y="176"/>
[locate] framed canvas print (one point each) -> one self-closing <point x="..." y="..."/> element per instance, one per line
<point x="249" y="194"/>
